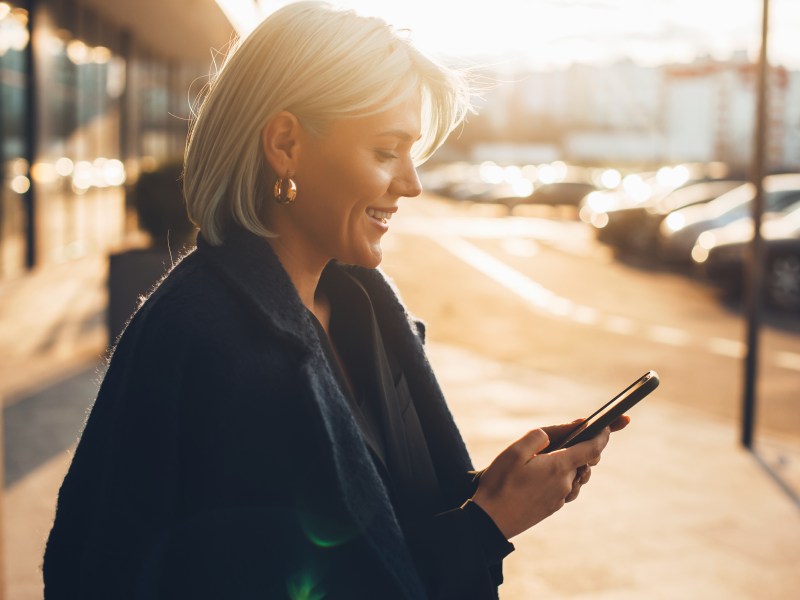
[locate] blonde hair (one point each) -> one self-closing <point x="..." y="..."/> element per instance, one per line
<point x="321" y="64"/>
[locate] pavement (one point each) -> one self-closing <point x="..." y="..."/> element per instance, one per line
<point x="676" y="509"/>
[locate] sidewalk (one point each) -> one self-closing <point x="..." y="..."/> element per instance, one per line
<point x="675" y="510"/>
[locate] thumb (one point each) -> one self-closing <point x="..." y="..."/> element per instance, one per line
<point x="531" y="443"/>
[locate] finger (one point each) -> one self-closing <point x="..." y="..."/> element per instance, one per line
<point x="588" y="452"/>
<point x="586" y="475"/>
<point x="558" y="431"/>
<point x="620" y="423"/>
<point x="576" y="489"/>
<point x="582" y="477"/>
<point x="528" y="445"/>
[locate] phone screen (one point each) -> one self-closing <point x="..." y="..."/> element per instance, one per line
<point x="609" y="412"/>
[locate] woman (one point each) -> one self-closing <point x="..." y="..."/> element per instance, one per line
<point x="269" y="426"/>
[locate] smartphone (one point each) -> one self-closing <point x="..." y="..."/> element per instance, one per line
<point x="608" y="413"/>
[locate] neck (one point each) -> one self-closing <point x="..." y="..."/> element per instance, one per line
<point x="304" y="274"/>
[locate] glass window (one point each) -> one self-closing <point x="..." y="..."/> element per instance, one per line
<point x="14" y="174"/>
<point x="79" y="173"/>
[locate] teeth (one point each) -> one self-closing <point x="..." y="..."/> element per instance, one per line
<point x="379" y="214"/>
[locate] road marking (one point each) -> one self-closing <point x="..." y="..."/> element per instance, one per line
<point x="508" y="277"/>
<point x="519" y="236"/>
<point x="549" y="302"/>
<point x="669" y="335"/>
<point x="788" y="360"/>
<point x="585" y="315"/>
<point x="729" y="348"/>
<point x="620" y="325"/>
<point x="520" y="247"/>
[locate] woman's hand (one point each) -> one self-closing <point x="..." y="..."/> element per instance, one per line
<point x="521" y="488"/>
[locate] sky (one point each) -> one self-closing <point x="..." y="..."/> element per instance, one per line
<point x="556" y="33"/>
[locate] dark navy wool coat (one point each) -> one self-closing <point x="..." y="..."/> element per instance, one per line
<point x="220" y="459"/>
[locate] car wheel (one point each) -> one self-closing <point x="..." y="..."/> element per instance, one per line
<point x="783" y="282"/>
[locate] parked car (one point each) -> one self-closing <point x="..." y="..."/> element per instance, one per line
<point x="568" y="193"/>
<point x="647" y="188"/>
<point x="721" y="254"/>
<point x="680" y="230"/>
<point x="636" y="228"/>
<point x="566" y="186"/>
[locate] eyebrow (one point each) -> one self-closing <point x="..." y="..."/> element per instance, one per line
<point x="399" y="133"/>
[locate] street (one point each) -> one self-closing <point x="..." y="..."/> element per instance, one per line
<point x="539" y="291"/>
<point x="530" y="322"/>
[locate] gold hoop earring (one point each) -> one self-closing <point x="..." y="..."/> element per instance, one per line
<point x="285" y="190"/>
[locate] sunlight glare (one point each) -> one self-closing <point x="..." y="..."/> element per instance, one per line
<point x="547" y="174"/>
<point x="636" y="188"/>
<point x="522" y="187"/>
<point x="674" y="222"/>
<point x="20" y="184"/>
<point x="491" y="172"/>
<point x="512" y="174"/>
<point x="530" y="172"/>
<point x="610" y="178"/>
<point x="555" y="34"/>
<point x="64" y="166"/>
<point x="559" y="169"/>
<point x="707" y="240"/>
<point x="699" y="254"/>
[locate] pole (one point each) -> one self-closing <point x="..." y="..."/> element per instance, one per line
<point x="31" y="133"/>
<point x="755" y="264"/>
<point x="2" y="508"/>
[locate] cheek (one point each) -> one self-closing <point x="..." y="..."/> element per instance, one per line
<point x="341" y="189"/>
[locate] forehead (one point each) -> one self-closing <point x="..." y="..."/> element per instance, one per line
<point x="402" y="121"/>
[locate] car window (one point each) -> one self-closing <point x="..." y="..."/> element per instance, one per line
<point x="783" y="200"/>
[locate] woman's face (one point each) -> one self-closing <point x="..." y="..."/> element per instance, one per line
<point x="349" y="183"/>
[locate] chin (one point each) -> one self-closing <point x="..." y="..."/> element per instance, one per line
<point x="374" y="263"/>
<point x="370" y="259"/>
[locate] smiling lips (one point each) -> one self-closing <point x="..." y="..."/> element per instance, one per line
<point x="381" y="215"/>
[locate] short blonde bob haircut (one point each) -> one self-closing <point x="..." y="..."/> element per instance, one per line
<point x="321" y="64"/>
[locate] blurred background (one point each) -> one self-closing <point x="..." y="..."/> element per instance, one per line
<point x="590" y="222"/>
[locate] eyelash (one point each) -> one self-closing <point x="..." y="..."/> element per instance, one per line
<point x="385" y="155"/>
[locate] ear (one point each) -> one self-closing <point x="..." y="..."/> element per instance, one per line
<point x="279" y="142"/>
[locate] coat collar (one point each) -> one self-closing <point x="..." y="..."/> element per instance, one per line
<point x="249" y="264"/>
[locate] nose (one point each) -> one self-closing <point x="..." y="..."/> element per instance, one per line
<point x="407" y="182"/>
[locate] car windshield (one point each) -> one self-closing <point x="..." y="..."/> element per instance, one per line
<point x="696" y="193"/>
<point x="731" y="200"/>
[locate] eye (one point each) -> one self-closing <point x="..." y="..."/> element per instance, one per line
<point x="385" y="155"/>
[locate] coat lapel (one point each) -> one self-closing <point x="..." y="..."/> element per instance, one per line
<point x="405" y="335"/>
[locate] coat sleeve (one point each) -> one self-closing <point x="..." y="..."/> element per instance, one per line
<point x="459" y="553"/>
<point x="121" y="487"/>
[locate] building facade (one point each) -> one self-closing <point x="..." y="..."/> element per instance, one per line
<point x="701" y="111"/>
<point x="86" y="104"/>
